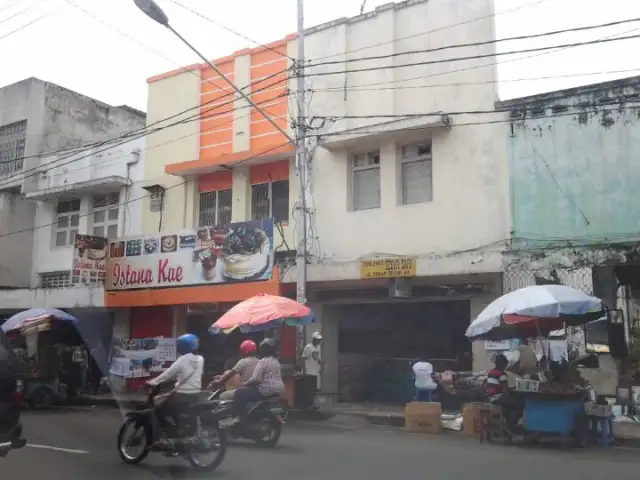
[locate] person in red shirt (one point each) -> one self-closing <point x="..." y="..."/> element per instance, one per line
<point x="497" y="389"/>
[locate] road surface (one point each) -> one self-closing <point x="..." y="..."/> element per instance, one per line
<point x="81" y="443"/>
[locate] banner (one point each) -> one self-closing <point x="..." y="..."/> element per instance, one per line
<point x="238" y="252"/>
<point x="396" y="267"/>
<point x="140" y="357"/>
<point x="89" y="259"/>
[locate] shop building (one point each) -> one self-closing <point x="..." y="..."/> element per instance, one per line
<point x="416" y="206"/>
<point x="56" y="183"/>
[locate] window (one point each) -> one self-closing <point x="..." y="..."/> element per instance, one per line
<point x="215" y="208"/>
<point x="59" y="279"/>
<point x="106" y="210"/>
<point x="270" y="200"/>
<point x="156" y="200"/>
<point x="68" y="218"/>
<point x="13" y="139"/>
<point x="416" y="173"/>
<point x="366" y="180"/>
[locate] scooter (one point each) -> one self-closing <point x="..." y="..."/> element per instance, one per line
<point x="196" y="435"/>
<point x="264" y="420"/>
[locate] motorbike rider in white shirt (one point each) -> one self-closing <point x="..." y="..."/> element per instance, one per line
<point x="187" y="372"/>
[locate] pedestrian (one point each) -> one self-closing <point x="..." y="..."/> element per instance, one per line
<point x="312" y="357"/>
<point x="424" y="382"/>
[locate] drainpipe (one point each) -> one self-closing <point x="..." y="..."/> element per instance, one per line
<point x="135" y="158"/>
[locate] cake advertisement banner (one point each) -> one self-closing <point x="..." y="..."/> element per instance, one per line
<point x="89" y="259"/>
<point x="237" y="252"/>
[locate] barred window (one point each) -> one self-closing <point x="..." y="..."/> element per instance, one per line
<point x="270" y="199"/>
<point x="215" y="208"/>
<point x="59" y="279"/>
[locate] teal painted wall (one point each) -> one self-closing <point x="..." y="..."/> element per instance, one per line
<point x="576" y="176"/>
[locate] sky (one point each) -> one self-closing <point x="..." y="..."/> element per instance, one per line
<point x="106" y="49"/>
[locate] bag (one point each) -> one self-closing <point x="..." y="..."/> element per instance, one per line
<point x="161" y="399"/>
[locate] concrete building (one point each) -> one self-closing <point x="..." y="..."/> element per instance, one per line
<point x="57" y="179"/>
<point x="399" y="175"/>
<point x="574" y="200"/>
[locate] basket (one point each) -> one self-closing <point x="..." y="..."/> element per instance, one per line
<point x="523" y="385"/>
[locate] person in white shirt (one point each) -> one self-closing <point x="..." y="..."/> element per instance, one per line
<point x="424" y="382"/>
<point x="312" y="357"/>
<point x="187" y="372"/>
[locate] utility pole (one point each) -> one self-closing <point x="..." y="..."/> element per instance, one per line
<point x="301" y="166"/>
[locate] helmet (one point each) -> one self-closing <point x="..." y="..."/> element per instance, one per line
<point x="248" y="347"/>
<point x="268" y="348"/>
<point x="187" y="343"/>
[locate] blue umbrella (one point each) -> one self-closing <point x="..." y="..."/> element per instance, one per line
<point x="22" y="319"/>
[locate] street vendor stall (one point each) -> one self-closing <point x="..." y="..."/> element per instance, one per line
<point x="553" y="403"/>
<point x="268" y="313"/>
<point x="51" y="351"/>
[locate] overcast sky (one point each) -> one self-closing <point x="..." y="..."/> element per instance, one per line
<point x="77" y="51"/>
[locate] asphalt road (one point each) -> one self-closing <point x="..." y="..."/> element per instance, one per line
<point x="80" y="443"/>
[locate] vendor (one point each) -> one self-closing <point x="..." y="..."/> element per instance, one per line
<point x="525" y="361"/>
<point x="497" y="389"/>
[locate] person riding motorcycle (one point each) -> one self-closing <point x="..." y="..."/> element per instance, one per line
<point x="265" y="382"/>
<point x="243" y="368"/>
<point x="187" y="372"/>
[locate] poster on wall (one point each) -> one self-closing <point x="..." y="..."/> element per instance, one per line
<point x="140" y="357"/>
<point x="89" y="259"/>
<point x="237" y="252"/>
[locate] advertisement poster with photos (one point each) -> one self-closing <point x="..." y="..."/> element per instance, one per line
<point x="236" y="252"/>
<point x="140" y="357"/>
<point x="89" y="259"/>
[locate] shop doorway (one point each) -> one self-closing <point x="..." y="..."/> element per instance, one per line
<point x="378" y="343"/>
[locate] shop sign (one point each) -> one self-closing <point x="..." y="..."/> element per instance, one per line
<point x="490" y="345"/>
<point x="89" y="259"/>
<point x="237" y="252"/>
<point x="395" y="267"/>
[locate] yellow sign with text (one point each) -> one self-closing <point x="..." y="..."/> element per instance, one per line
<point x="396" y="267"/>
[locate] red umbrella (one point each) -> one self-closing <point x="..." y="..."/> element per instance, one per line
<point x="262" y="312"/>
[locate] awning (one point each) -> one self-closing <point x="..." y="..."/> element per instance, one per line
<point x="96" y="186"/>
<point x="223" y="162"/>
<point x="409" y="129"/>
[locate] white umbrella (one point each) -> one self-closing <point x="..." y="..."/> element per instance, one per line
<point x="535" y="310"/>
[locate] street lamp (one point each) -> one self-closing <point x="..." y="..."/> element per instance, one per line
<point x="152" y="10"/>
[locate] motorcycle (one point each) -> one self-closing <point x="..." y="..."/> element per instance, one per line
<point x="196" y="434"/>
<point x="263" y="424"/>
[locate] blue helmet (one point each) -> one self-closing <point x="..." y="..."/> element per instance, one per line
<point x="187" y="343"/>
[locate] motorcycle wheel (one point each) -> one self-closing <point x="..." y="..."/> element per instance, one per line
<point x="122" y="438"/>
<point x="210" y="433"/>
<point x="271" y="428"/>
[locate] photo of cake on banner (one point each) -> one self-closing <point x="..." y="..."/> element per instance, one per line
<point x="234" y="252"/>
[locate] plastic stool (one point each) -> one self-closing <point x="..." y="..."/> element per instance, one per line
<point x="602" y="428"/>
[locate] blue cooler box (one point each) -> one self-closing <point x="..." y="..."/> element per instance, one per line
<point x="551" y="416"/>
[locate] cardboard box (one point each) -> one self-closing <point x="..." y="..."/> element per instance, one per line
<point x="470" y="416"/>
<point x="423" y="417"/>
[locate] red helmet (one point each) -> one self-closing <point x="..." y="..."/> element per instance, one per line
<point x="247" y="348"/>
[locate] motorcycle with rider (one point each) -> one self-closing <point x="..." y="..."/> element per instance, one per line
<point x="249" y="411"/>
<point x="182" y="422"/>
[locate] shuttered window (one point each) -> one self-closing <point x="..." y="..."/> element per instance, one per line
<point x="416" y="173"/>
<point x="366" y="180"/>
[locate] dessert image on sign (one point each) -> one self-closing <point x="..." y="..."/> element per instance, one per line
<point x="134" y="248"/>
<point x="94" y="248"/>
<point x="169" y="243"/>
<point x="117" y="250"/>
<point x="150" y="245"/>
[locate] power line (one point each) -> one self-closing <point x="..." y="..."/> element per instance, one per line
<point x="37" y="227"/>
<point x="362" y="130"/>
<point x="19" y="12"/>
<point x="230" y="30"/>
<point x="146" y="47"/>
<point x="35" y="20"/>
<point x="479" y="44"/>
<point x="54" y="164"/>
<point x="471" y="57"/>
<point x="439" y="29"/>
<point x="356" y="88"/>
